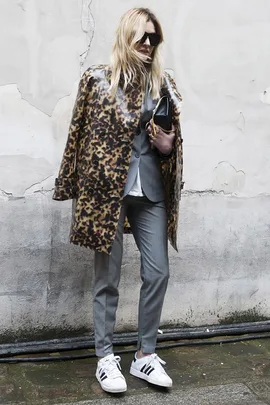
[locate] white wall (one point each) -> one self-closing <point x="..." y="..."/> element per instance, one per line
<point x="219" y="54"/>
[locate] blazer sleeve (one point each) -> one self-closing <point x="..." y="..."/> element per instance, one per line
<point x="66" y="182"/>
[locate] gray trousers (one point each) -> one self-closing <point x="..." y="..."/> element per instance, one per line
<point x="148" y="222"/>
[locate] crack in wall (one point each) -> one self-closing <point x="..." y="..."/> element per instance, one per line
<point x="43" y="191"/>
<point x="37" y="184"/>
<point x="202" y="192"/>
<point x="229" y="164"/>
<point x="227" y="178"/>
<point x="10" y="196"/>
<point x="5" y="193"/>
<point x="27" y="101"/>
<point x="32" y="105"/>
<point x="88" y="27"/>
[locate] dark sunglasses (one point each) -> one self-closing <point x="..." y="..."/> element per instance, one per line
<point x="154" y="38"/>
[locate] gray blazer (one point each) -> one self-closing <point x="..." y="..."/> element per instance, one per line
<point x="146" y="158"/>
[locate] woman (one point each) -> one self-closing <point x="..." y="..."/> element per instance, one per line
<point x="124" y="175"/>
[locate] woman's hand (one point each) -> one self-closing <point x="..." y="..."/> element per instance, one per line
<point x="161" y="140"/>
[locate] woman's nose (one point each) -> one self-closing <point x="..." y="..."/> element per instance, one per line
<point x="147" y="42"/>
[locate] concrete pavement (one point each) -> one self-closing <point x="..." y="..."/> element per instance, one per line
<point x="231" y="394"/>
<point x="227" y="374"/>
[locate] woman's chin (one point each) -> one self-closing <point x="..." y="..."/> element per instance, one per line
<point x="146" y="57"/>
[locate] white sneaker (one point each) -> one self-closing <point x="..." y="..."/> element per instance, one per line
<point x="109" y="375"/>
<point x="150" y="368"/>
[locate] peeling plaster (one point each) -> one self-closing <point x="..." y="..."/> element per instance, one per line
<point x="88" y="27"/>
<point x="228" y="179"/>
<point x="4" y="196"/>
<point x="63" y="98"/>
<point x="45" y="48"/>
<point x="33" y="189"/>
<point x="32" y="105"/>
<point x="22" y="97"/>
<point x="39" y="187"/>
<point x="18" y="171"/>
<point x="5" y="193"/>
<point x="25" y="130"/>
<point x="202" y="192"/>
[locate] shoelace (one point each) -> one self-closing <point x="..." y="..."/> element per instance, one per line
<point x="155" y="361"/>
<point x="110" y="366"/>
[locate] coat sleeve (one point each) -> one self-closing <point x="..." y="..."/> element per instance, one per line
<point x="177" y="153"/>
<point x="175" y="95"/>
<point x="66" y="182"/>
<point x="172" y="167"/>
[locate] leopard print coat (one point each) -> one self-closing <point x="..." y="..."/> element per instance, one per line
<point x="96" y="159"/>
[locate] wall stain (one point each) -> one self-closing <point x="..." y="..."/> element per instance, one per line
<point x="250" y="315"/>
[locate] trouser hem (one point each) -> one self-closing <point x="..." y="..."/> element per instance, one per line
<point x="101" y="353"/>
<point x="147" y="349"/>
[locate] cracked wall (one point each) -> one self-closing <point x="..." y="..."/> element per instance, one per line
<point x="219" y="56"/>
<point x="45" y="44"/>
<point x="42" y="49"/>
<point x="38" y="83"/>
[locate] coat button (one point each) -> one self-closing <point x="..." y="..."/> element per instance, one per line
<point x="137" y="155"/>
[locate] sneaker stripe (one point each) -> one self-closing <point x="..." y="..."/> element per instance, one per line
<point x="143" y="367"/>
<point x="150" y="371"/>
<point x="104" y="377"/>
<point x="147" y="369"/>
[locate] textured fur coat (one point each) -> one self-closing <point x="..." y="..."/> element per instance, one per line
<point x="96" y="159"/>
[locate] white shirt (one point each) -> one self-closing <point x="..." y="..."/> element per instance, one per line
<point x="136" y="189"/>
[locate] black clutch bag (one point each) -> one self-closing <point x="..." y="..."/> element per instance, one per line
<point x="162" y="114"/>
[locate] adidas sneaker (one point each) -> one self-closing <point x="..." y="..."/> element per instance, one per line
<point x="150" y="368"/>
<point x="109" y="374"/>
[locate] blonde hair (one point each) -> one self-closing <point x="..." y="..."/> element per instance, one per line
<point x="129" y="64"/>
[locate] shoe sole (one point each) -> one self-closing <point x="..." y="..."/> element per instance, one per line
<point x="139" y="374"/>
<point x="111" y="390"/>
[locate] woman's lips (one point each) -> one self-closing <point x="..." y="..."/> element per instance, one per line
<point x="145" y="51"/>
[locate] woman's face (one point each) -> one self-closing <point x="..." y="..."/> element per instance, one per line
<point x="145" y="47"/>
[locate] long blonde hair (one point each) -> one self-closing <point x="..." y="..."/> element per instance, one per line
<point x="126" y="62"/>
